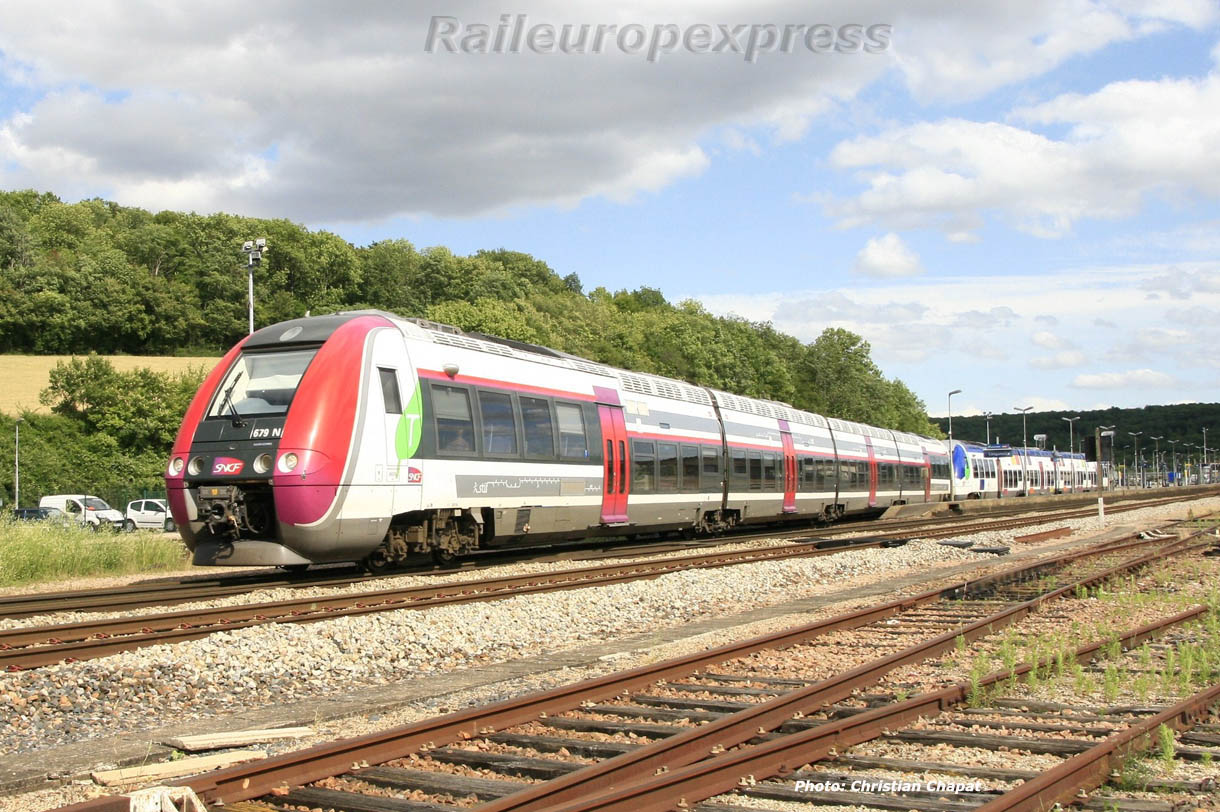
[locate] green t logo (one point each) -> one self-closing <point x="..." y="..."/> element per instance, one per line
<point x="410" y="427"/>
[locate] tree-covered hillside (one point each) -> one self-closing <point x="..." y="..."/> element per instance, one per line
<point x="1183" y="423"/>
<point x="96" y="276"/>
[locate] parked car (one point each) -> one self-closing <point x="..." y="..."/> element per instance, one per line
<point x="149" y="514"/>
<point x="87" y="510"/>
<point x="38" y="514"/>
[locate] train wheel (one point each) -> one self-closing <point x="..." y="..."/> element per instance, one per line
<point x="376" y="562"/>
<point x="445" y="558"/>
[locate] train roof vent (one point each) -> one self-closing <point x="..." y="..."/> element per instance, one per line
<point x="635" y="383"/>
<point x="667" y="389"/>
<point x="588" y="366"/>
<point x="471" y="344"/>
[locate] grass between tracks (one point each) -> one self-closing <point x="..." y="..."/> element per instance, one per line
<point x="33" y="552"/>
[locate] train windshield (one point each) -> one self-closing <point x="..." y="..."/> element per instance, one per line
<point x="261" y="384"/>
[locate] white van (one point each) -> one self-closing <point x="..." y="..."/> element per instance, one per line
<point x="87" y="510"/>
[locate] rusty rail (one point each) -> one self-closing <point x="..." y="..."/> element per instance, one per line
<point x="718" y="774"/>
<point x="250" y="781"/>
<point x="33" y="647"/>
<point x="1045" y="535"/>
<point x="1093" y="767"/>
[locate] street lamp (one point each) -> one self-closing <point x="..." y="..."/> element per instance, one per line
<point x="1139" y="473"/>
<point x="1204" y="466"/>
<point x="17" y="462"/>
<point x="1108" y="431"/>
<point x="951" y="394"/>
<point x="1025" y="448"/>
<point x="1173" y="444"/>
<point x="254" y="255"/>
<point x="987" y="417"/>
<point x="1071" y="421"/>
<point x="1156" y="456"/>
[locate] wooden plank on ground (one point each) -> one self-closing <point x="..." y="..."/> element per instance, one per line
<point x="175" y="769"/>
<point x="236" y="738"/>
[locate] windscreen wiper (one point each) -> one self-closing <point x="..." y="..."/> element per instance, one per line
<point x="228" y="400"/>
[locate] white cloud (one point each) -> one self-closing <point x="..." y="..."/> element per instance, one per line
<point x="1125" y="143"/>
<point x="926" y="330"/>
<point x="1000" y="317"/>
<point x="1050" y="341"/>
<point x="324" y="112"/>
<point x="887" y="257"/>
<point x="1060" y="360"/>
<point x="1122" y="380"/>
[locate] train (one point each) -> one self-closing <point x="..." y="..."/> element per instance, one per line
<point x="366" y="437"/>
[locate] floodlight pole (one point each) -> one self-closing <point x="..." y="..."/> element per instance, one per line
<point x="254" y="255"/>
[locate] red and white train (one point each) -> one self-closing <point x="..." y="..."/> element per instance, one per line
<point x="363" y="436"/>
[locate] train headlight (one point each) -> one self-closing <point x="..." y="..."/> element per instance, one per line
<point x="288" y="462"/>
<point x="176" y="465"/>
<point x="195" y="467"/>
<point x="262" y="463"/>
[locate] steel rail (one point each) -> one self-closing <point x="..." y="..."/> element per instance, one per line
<point x="33" y="647"/>
<point x="325" y="760"/>
<point x="139" y="596"/>
<point x="781" y="756"/>
<point x="696" y="743"/>
<point x="1093" y="767"/>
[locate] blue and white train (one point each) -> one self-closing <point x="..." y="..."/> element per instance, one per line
<point x="993" y="472"/>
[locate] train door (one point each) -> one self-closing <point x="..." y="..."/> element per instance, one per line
<point x="872" y="472"/>
<point x="614" y="468"/>
<point x="789" y="472"/>
<point x="927" y="477"/>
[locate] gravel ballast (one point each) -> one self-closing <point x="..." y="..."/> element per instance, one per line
<point x="277" y="664"/>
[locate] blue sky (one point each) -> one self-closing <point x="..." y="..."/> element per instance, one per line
<point x="1022" y="204"/>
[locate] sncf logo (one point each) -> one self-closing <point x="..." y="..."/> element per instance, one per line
<point x="227" y="466"/>
<point x="415" y="476"/>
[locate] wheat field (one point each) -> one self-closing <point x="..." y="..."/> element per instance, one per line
<point x="22" y="377"/>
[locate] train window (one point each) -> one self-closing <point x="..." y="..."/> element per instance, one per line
<point x="571" y="431"/>
<point x="260" y="383"/>
<point x="454" y="425"/>
<point x="389" y="390"/>
<point x="539" y="429"/>
<point x="643" y="466"/>
<point x="711" y="480"/>
<point x="622" y="466"/>
<point x="741" y="469"/>
<point x="499" y="424"/>
<point x="768" y="465"/>
<point x="690" y="468"/>
<point x="667" y="467"/>
<point x="826" y="474"/>
<point x="755" y="470"/>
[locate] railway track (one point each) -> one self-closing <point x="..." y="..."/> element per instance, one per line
<point x="33" y="647"/>
<point x="672" y="734"/>
<point x="139" y="596"/>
